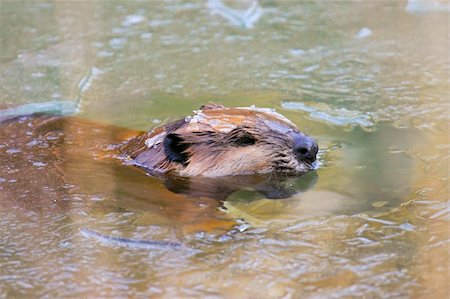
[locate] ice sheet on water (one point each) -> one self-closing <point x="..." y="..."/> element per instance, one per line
<point x="52" y="107"/>
<point x="132" y="20"/>
<point x="244" y="18"/>
<point x="422" y="6"/>
<point x="331" y="115"/>
<point x="363" y="33"/>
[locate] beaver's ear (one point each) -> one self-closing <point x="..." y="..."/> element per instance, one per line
<point x="243" y="140"/>
<point x="175" y="148"/>
<point x="212" y="106"/>
<point x="240" y="137"/>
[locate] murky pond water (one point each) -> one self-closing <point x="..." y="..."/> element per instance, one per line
<point x="368" y="79"/>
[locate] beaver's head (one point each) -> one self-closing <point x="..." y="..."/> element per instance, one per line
<point x="219" y="141"/>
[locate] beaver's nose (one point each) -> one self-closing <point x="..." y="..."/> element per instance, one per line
<point x="305" y="148"/>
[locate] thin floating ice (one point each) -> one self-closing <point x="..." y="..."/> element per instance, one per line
<point x="118" y="42"/>
<point x="244" y="18"/>
<point x="85" y="84"/>
<point x="334" y="116"/>
<point x="297" y="52"/>
<point x="363" y="33"/>
<point x="425" y="6"/>
<point x="52" y="107"/>
<point x="127" y="242"/>
<point x="133" y="20"/>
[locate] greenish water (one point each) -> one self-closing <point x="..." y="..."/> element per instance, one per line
<point x="369" y="80"/>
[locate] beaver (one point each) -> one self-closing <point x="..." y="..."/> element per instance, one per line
<point x="218" y="141"/>
<point x="50" y="162"/>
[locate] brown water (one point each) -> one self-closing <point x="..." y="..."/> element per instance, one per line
<point x="370" y="80"/>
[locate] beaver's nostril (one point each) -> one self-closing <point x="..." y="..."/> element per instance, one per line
<point x="305" y="148"/>
<point x="302" y="150"/>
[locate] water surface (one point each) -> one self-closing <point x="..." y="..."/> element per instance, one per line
<point x="369" y="80"/>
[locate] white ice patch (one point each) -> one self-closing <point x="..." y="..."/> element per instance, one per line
<point x="52" y="107"/>
<point x="254" y="108"/>
<point x="155" y="140"/>
<point x="334" y="116"/>
<point x="297" y="52"/>
<point x="363" y="33"/>
<point x="118" y="42"/>
<point x="244" y="18"/>
<point x="422" y="6"/>
<point x="132" y="20"/>
<point x="271" y="111"/>
<point x="86" y="82"/>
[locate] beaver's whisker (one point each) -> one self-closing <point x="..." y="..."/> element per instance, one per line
<point x="273" y="176"/>
<point x="306" y="130"/>
<point x="270" y="177"/>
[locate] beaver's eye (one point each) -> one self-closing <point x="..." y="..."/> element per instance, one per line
<point x="175" y="148"/>
<point x="245" y="139"/>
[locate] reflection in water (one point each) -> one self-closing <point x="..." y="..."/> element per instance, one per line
<point x="272" y="186"/>
<point x="374" y="225"/>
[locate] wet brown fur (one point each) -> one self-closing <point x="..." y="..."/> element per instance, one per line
<point x="219" y="141"/>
